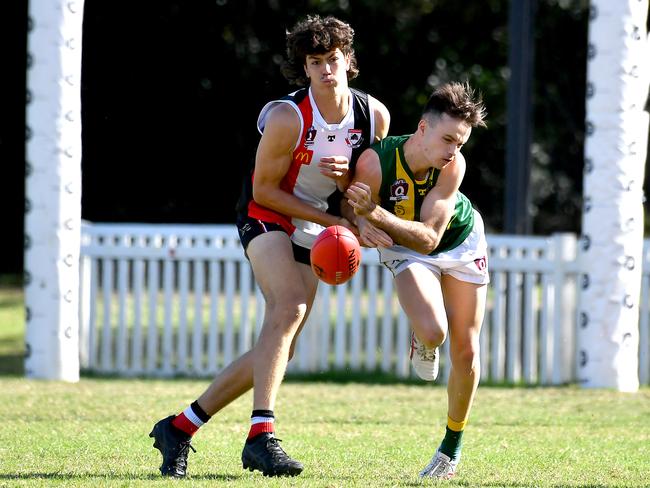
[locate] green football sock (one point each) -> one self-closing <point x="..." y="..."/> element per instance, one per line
<point x="452" y="443"/>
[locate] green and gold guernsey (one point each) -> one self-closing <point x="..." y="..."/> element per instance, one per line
<point x="401" y="194"/>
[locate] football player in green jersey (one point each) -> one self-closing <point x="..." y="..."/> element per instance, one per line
<point x="408" y="186"/>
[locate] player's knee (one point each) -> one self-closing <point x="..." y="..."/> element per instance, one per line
<point x="295" y="311"/>
<point x="466" y="358"/>
<point x="287" y="315"/>
<point x="431" y="336"/>
<point x="290" y="300"/>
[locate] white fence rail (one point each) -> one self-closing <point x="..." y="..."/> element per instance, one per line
<point x="164" y="300"/>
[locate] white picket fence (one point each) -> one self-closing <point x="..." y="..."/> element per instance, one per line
<point x="166" y="300"/>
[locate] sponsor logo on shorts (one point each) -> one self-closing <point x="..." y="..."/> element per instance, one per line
<point x="393" y="264"/>
<point x="481" y="263"/>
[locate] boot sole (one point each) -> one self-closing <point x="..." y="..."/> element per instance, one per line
<point x="289" y="471"/>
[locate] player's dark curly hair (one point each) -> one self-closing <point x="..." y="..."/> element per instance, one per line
<point x="457" y="100"/>
<point x="316" y="35"/>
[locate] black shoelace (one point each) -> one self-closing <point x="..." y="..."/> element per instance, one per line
<point x="180" y="456"/>
<point x="276" y="451"/>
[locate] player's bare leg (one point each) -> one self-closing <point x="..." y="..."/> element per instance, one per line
<point x="237" y="378"/>
<point x="465" y="303"/>
<point x="465" y="308"/>
<point x="289" y="289"/>
<point x="308" y="277"/>
<point x="420" y="295"/>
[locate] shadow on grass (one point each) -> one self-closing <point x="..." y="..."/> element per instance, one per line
<point x="102" y="476"/>
<point x="231" y="477"/>
<point x="382" y="378"/>
<point x="532" y="484"/>
<point x="347" y="376"/>
<point x="335" y="376"/>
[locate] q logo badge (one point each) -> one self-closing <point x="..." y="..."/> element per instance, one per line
<point x="399" y="190"/>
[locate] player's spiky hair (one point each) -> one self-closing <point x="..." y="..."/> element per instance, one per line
<point x="457" y="100"/>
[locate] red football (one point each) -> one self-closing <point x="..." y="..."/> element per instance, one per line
<point x="335" y="255"/>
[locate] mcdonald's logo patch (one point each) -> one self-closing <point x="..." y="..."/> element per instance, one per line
<point x="303" y="157"/>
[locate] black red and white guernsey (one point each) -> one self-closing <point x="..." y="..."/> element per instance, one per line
<point x="317" y="139"/>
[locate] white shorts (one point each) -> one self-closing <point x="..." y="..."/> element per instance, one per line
<point x="466" y="262"/>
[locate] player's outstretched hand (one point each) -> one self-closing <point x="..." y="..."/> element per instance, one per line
<point x="348" y="225"/>
<point x="371" y="236"/>
<point x="337" y="168"/>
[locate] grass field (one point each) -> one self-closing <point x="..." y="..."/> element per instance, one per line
<point x="94" y="433"/>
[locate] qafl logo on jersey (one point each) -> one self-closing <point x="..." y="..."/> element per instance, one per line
<point x="310" y="136"/>
<point x="399" y="190"/>
<point x="354" y="138"/>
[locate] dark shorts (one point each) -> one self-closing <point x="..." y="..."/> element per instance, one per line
<point x="250" y="228"/>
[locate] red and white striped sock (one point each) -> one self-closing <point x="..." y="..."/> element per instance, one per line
<point x="190" y="419"/>
<point x="262" y="421"/>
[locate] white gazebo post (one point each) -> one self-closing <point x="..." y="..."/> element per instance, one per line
<point x="53" y="190"/>
<point x="612" y="223"/>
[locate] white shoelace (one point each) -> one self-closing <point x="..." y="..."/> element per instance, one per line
<point x="425" y="353"/>
<point x="439" y="467"/>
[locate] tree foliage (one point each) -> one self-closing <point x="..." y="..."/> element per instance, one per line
<point x="172" y="91"/>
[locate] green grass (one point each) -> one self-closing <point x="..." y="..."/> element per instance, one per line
<point x="94" y="433"/>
